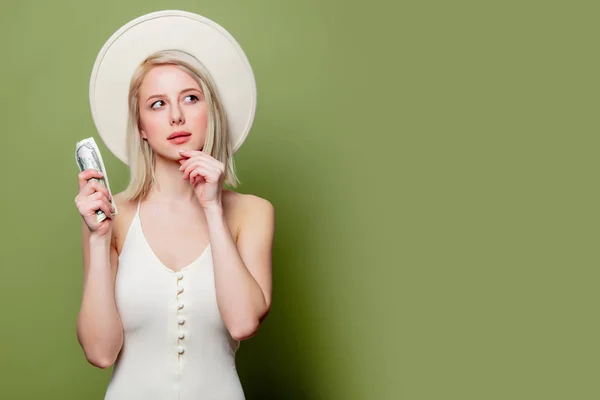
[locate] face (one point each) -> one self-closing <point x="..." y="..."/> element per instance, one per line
<point x="173" y="112"/>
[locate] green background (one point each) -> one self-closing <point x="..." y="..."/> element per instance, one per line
<point x="434" y="172"/>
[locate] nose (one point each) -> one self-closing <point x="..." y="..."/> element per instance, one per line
<point x="176" y="116"/>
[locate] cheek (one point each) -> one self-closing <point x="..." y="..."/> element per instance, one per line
<point x="200" y="117"/>
<point x="149" y="122"/>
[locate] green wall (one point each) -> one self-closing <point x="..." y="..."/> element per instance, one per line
<point x="433" y="166"/>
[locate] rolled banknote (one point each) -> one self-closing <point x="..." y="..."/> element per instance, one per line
<point x="88" y="156"/>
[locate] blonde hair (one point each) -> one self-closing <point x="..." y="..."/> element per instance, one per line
<point x="141" y="157"/>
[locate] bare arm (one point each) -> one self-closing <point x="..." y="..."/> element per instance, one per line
<point x="243" y="273"/>
<point x="99" y="328"/>
<point x="242" y="270"/>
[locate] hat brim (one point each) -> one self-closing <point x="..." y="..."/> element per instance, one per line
<point x="206" y="40"/>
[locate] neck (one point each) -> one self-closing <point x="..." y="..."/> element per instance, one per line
<point x="170" y="186"/>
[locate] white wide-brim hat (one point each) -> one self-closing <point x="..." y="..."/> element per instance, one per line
<point x="131" y="44"/>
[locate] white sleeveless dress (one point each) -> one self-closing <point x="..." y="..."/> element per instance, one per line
<point x="176" y="346"/>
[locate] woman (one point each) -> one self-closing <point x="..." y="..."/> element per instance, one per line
<point x="182" y="273"/>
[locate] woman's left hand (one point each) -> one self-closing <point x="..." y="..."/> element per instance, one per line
<point x="206" y="174"/>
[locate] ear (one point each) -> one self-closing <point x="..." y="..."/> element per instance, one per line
<point x="143" y="134"/>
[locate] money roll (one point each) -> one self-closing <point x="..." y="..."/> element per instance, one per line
<point x="88" y="156"/>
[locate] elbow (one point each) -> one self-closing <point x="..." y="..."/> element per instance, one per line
<point x="245" y="331"/>
<point x="101" y="351"/>
<point x="99" y="356"/>
<point x="100" y="361"/>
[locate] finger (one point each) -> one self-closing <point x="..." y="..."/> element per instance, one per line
<point x="96" y="196"/>
<point x="100" y="196"/>
<point x="185" y="163"/>
<point x="190" y="153"/>
<point x="195" y="155"/>
<point x="101" y="205"/>
<point x="89" y="173"/>
<point x="188" y="170"/>
<point x="218" y="165"/>
<point x="103" y="189"/>
<point x="197" y="179"/>
<point x="187" y="174"/>
<point x="109" y="206"/>
<point x="200" y="155"/>
<point x="95" y="186"/>
<point x="201" y="163"/>
<point x="212" y="173"/>
<point x="205" y="175"/>
<point x="89" y="188"/>
<point x="84" y="176"/>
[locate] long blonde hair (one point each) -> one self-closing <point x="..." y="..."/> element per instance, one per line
<point x="141" y="157"/>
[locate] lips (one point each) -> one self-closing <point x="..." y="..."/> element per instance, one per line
<point x="178" y="134"/>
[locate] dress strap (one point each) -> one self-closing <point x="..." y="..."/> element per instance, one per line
<point x="138" y="208"/>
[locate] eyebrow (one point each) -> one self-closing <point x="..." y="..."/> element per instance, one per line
<point x="164" y="95"/>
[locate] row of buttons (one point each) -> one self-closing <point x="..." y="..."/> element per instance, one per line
<point x="181" y="319"/>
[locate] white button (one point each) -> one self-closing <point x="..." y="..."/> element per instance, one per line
<point x="181" y="320"/>
<point x="180" y="306"/>
<point x="181" y="335"/>
<point x="179" y="275"/>
<point x="180" y="349"/>
<point x="179" y="289"/>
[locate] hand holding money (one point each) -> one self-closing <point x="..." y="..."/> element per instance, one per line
<point x="94" y="197"/>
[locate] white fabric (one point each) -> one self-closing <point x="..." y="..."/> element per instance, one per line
<point x="161" y="358"/>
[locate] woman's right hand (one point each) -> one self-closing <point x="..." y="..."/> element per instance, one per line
<point x="94" y="196"/>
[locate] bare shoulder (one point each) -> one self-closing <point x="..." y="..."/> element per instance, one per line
<point x="247" y="212"/>
<point x="243" y="204"/>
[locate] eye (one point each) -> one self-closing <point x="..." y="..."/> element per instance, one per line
<point x="156" y="102"/>
<point x="193" y="96"/>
